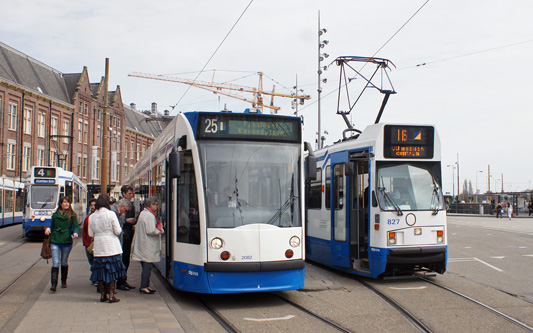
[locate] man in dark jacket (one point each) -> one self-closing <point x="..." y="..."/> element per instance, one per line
<point x="127" y="236"/>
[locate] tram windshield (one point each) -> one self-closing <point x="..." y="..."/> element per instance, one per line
<point x="43" y="196"/>
<point x="409" y="186"/>
<point x="249" y="183"/>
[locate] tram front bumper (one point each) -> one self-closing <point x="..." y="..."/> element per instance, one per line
<point x="417" y="255"/>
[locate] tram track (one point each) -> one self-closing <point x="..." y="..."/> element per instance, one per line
<point x="491" y="309"/>
<point x="416" y="322"/>
<point x="313" y="314"/>
<point x="230" y="326"/>
<point x="19" y="277"/>
<point x="223" y="321"/>
<point x="410" y="311"/>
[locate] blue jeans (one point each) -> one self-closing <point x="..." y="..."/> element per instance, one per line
<point x="60" y="253"/>
<point x="145" y="274"/>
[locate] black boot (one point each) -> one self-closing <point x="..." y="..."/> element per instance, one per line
<point x="64" y="274"/>
<point x="55" y="274"/>
<point x="103" y="291"/>
<point x="112" y="298"/>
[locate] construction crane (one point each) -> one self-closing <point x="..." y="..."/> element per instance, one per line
<point x="226" y="89"/>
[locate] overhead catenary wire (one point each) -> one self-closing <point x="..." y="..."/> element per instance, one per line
<point x="215" y="52"/>
<point x="466" y="55"/>
<point x="382" y="46"/>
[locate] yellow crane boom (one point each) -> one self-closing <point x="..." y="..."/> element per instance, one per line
<point x="225" y="88"/>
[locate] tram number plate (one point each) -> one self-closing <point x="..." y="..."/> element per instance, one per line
<point x="246" y="258"/>
<point x="393" y="221"/>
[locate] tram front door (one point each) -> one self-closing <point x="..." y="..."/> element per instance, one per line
<point x="359" y="189"/>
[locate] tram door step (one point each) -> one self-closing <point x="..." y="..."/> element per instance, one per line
<point x="360" y="265"/>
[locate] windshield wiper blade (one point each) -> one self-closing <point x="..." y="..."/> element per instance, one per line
<point x="282" y="209"/>
<point x="435" y="194"/>
<point x="393" y="203"/>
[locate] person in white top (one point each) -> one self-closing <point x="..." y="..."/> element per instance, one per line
<point x="107" y="267"/>
<point x="147" y="242"/>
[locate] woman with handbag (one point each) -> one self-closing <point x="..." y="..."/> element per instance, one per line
<point x="107" y="266"/>
<point x="63" y="229"/>
<point x="147" y="242"/>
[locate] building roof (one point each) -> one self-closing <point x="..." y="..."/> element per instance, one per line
<point x="145" y="122"/>
<point x="24" y="71"/>
<point x="32" y="74"/>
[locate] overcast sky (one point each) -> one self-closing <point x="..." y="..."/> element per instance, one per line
<point x="475" y="84"/>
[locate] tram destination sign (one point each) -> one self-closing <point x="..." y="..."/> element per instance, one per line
<point x="44" y="173"/>
<point x="252" y="127"/>
<point x="408" y="141"/>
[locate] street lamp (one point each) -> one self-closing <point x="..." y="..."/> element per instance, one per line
<point x="321" y="57"/>
<point x="453" y="180"/>
<point x="476" y="182"/>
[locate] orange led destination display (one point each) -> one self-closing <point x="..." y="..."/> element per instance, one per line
<point x="408" y="141"/>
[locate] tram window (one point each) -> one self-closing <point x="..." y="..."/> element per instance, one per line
<point x="314" y="200"/>
<point x="339" y="224"/>
<point x="9" y="201"/>
<point x="328" y="187"/>
<point x="338" y="183"/>
<point x="2" y="200"/>
<point x="188" y="229"/>
<point x="19" y="201"/>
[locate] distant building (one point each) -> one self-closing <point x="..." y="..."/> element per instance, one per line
<point x="49" y="118"/>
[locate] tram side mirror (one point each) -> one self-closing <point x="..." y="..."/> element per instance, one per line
<point x="174" y="164"/>
<point x="310" y="162"/>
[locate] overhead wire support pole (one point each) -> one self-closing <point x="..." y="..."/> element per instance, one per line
<point x="104" y="177"/>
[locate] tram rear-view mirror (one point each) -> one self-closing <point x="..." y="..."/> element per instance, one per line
<point x="174" y="167"/>
<point x="310" y="163"/>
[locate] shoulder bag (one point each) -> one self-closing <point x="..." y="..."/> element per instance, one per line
<point x="46" y="252"/>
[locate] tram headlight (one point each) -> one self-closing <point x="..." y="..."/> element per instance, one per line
<point x="440" y="236"/>
<point x="392" y="238"/>
<point x="43" y="218"/>
<point x="418" y="231"/>
<point x="216" y="243"/>
<point x="294" y="241"/>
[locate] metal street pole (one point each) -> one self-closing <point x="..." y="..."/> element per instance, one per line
<point x="104" y="177"/>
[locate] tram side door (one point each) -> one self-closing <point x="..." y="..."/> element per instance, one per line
<point x="170" y="214"/>
<point x="336" y="202"/>
<point x="359" y="191"/>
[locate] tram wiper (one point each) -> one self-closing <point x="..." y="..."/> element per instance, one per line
<point x="435" y="194"/>
<point x="282" y="209"/>
<point x="392" y="202"/>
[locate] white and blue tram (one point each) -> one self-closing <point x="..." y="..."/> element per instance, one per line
<point x="376" y="207"/>
<point x="11" y="201"/>
<point x="231" y="189"/>
<point x="44" y="187"/>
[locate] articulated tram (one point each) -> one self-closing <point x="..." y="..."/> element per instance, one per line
<point x="11" y="202"/>
<point x="45" y="186"/>
<point x="376" y="207"/>
<point x="231" y="193"/>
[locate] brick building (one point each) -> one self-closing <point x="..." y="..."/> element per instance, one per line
<point x="49" y="118"/>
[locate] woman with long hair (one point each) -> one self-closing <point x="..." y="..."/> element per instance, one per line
<point x="63" y="229"/>
<point x="107" y="266"/>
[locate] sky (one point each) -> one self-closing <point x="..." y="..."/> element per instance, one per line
<point x="460" y="65"/>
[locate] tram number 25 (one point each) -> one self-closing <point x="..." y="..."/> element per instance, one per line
<point x="212" y="126"/>
<point x="393" y="221"/>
